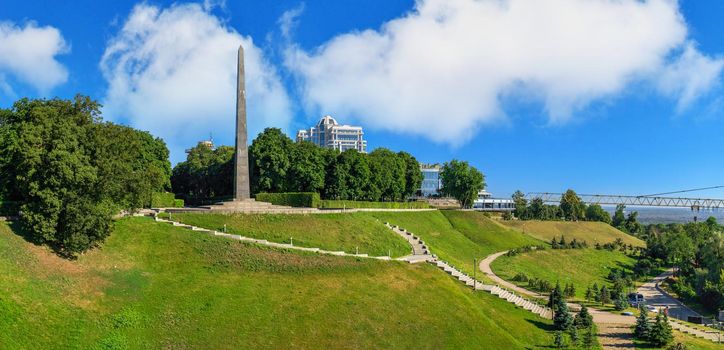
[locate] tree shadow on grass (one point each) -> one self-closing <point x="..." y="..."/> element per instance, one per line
<point x="20" y="231"/>
<point x="542" y="325"/>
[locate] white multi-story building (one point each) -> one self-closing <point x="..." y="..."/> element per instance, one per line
<point x="329" y="134"/>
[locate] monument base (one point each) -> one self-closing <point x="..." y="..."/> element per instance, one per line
<point x="247" y="206"/>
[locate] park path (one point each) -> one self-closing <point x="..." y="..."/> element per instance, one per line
<point x="613" y="330"/>
<point x="657" y="297"/>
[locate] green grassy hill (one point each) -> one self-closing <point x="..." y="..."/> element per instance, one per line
<point x="152" y="285"/>
<point x="345" y="232"/>
<point x="591" y="232"/>
<point x="456" y="236"/>
<point x="582" y="267"/>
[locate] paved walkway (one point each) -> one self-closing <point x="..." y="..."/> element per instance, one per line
<point x="614" y="330"/>
<point x="655" y="296"/>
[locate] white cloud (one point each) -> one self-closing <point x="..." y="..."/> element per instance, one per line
<point x="441" y="70"/>
<point x="689" y="76"/>
<point x="28" y="54"/>
<point x="173" y="72"/>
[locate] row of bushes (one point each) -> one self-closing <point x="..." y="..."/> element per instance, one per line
<point x="339" y="204"/>
<point x="292" y="199"/>
<point x="166" y="200"/>
<point x="313" y="200"/>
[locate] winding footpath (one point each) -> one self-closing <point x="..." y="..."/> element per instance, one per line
<point x="614" y="331"/>
<point x="656" y="296"/>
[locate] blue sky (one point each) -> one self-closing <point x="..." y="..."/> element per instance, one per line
<point x="600" y="96"/>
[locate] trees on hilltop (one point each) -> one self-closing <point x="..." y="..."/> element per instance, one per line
<point x="71" y="172"/>
<point x="277" y="164"/>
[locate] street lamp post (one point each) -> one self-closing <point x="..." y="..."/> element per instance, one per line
<point x="475" y="281"/>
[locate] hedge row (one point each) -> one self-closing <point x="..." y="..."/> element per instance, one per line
<point x="292" y="199"/>
<point x="8" y="208"/>
<point x="166" y="200"/>
<point x="339" y="204"/>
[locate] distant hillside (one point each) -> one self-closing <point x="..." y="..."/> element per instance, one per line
<point x="591" y="232"/>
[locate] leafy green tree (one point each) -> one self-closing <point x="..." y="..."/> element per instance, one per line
<point x="413" y="174"/>
<point x="537" y="209"/>
<point x="595" y="212"/>
<point x="521" y="205"/>
<point x="307" y="169"/>
<point x="387" y="173"/>
<point x="461" y="181"/>
<point x="349" y="178"/>
<point x="572" y="207"/>
<point x="619" y="218"/>
<point x="632" y="225"/>
<point x="269" y="159"/>
<point x="206" y="174"/>
<point x="643" y="327"/>
<point x="661" y="333"/>
<point x="71" y="172"/>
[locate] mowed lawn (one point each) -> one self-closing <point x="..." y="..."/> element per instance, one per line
<point x="338" y="232"/>
<point x="582" y="267"/>
<point x="591" y="232"/>
<point x="456" y="236"/>
<point x="152" y="285"/>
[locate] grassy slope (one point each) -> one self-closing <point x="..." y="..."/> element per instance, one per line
<point x="590" y="232"/>
<point x="327" y="231"/>
<point x="582" y="267"/>
<point x="156" y="286"/>
<point x="457" y="237"/>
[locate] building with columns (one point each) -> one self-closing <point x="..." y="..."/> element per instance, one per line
<point x="330" y="134"/>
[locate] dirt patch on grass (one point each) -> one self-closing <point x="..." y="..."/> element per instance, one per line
<point x="79" y="285"/>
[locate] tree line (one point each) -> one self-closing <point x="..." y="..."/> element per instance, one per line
<point x="572" y="208"/>
<point x="696" y="250"/>
<point x="70" y="172"/>
<point x="278" y="164"/>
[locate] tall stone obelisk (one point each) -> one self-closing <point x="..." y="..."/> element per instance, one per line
<point x="241" y="155"/>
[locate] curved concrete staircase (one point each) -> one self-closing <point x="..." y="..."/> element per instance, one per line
<point x="420" y="252"/>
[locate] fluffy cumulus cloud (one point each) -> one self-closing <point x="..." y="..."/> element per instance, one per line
<point x="442" y="69"/>
<point x="172" y="71"/>
<point x="28" y="55"/>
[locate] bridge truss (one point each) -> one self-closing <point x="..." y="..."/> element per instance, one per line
<point x="646" y="201"/>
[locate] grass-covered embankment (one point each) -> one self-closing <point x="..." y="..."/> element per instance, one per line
<point x="152" y="285"/>
<point x="456" y="236"/>
<point x="582" y="267"/>
<point x="591" y="232"/>
<point x="345" y="232"/>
